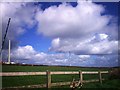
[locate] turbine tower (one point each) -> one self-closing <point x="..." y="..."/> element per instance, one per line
<point x="9" y="46"/>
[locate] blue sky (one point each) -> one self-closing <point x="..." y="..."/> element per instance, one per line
<point x="51" y="33"/>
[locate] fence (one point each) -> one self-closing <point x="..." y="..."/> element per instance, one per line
<point x="48" y="74"/>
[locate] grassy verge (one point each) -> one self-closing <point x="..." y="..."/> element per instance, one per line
<point x="108" y="84"/>
<point x="22" y="80"/>
<point x="34" y="80"/>
<point x="13" y="68"/>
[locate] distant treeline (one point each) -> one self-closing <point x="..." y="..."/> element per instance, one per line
<point x="18" y="64"/>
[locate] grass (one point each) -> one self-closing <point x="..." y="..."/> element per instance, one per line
<point x="33" y="80"/>
<point x="113" y="84"/>
<point x="22" y="80"/>
<point x="13" y="68"/>
<point x="106" y="84"/>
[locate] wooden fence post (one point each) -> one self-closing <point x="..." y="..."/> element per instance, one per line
<point x="100" y="77"/>
<point x="48" y="79"/>
<point x="81" y="76"/>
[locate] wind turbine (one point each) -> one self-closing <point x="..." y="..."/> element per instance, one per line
<point x="4" y="41"/>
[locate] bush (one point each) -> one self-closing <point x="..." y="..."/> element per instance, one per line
<point x="115" y="73"/>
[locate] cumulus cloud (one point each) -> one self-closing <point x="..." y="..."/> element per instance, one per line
<point x="83" y="29"/>
<point x="27" y="52"/>
<point x="63" y="20"/>
<point x="55" y="42"/>
<point x="84" y="56"/>
<point x="22" y="18"/>
<point x="93" y="45"/>
<point x="73" y="28"/>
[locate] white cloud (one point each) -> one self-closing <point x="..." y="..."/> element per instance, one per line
<point x="84" y="56"/>
<point x="55" y="43"/>
<point x="27" y="52"/>
<point x="92" y="45"/>
<point x="68" y="21"/>
<point x="74" y="29"/>
<point x="31" y="55"/>
<point x="103" y="36"/>
<point x="21" y="15"/>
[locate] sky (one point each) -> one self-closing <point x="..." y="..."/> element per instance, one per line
<point x="82" y="33"/>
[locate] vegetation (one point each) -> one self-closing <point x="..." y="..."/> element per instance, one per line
<point x="14" y="68"/>
<point x="34" y="80"/>
<point x="108" y="84"/>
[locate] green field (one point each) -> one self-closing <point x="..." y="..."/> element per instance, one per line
<point x="14" y="68"/>
<point x="34" y="80"/>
